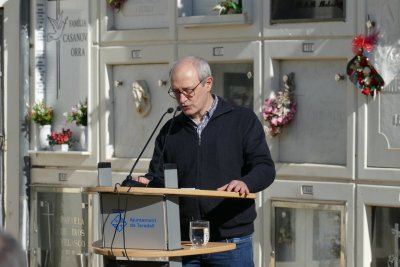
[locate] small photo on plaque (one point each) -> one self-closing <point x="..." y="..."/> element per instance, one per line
<point x="238" y="89"/>
<point x="292" y="11"/>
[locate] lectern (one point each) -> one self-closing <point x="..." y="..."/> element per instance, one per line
<point x="142" y="222"/>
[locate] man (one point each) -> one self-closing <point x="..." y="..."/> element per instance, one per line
<point x="11" y="253"/>
<point x="216" y="146"/>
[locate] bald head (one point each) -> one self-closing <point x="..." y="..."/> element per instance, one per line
<point x="199" y="65"/>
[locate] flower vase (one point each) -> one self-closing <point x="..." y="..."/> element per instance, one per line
<point x="82" y="139"/>
<point x="61" y="148"/>
<point x="43" y="132"/>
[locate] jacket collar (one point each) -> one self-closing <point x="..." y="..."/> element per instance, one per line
<point x="222" y="108"/>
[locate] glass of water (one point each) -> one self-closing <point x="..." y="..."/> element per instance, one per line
<point x="199" y="232"/>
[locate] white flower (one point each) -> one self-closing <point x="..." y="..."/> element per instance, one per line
<point x="221" y="9"/>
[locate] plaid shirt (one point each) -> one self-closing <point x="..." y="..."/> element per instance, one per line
<point x="203" y="123"/>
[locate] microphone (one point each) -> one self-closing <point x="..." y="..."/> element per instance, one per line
<point x="128" y="180"/>
<point x="157" y="182"/>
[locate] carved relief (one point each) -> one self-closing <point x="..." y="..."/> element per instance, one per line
<point x="141" y="97"/>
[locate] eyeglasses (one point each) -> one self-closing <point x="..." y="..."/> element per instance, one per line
<point x="188" y="93"/>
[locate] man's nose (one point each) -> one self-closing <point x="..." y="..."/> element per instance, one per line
<point x="182" y="98"/>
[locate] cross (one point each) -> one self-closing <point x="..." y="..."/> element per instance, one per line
<point x="58" y="53"/>
<point x="396" y="233"/>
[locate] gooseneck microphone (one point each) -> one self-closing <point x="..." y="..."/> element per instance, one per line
<point x="157" y="182"/>
<point x="128" y="180"/>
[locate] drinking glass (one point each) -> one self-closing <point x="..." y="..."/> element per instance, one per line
<point x="199" y="232"/>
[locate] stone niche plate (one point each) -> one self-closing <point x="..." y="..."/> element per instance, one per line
<point x="129" y="130"/>
<point x="200" y="14"/>
<point x="318" y="133"/>
<point x="383" y="111"/>
<point x="141" y="14"/>
<point x="288" y="11"/>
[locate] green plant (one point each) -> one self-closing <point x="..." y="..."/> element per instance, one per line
<point x="42" y="114"/>
<point x="229" y="7"/>
<point x="59" y="138"/>
<point x="78" y="114"/>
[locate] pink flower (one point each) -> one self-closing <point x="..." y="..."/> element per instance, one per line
<point x="268" y="109"/>
<point x="278" y="110"/>
<point x="274" y="121"/>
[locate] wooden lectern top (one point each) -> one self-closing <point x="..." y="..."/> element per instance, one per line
<point x="186" y="250"/>
<point x="167" y="191"/>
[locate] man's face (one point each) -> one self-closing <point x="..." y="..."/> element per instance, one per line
<point x="193" y="95"/>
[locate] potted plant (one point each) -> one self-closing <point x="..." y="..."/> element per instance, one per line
<point x="60" y="141"/>
<point x="229" y="7"/>
<point x="42" y="115"/>
<point x="79" y="116"/>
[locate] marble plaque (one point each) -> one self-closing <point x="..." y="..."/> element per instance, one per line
<point x="318" y="132"/>
<point x="129" y="130"/>
<point x="284" y="11"/>
<point x="234" y="82"/>
<point x="62" y="221"/>
<point x="383" y="116"/>
<point x="142" y="14"/>
<point x="67" y="55"/>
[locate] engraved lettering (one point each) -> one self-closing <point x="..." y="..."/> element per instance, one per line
<point x="75" y="37"/>
<point x="77" y="232"/>
<point x="78" y="52"/>
<point x="396" y="120"/>
<point x="322" y="3"/>
<point x="72" y="220"/>
<point x="393" y="88"/>
<point x="77" y="23"/>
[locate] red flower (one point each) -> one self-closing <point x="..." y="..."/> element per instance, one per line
<point x="363" y="62"/>
<point x="58" y="138"/>
<point x="367" y="43"/>
<point x="366" y="91"/>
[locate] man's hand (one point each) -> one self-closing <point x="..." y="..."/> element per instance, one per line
<point x="235" y="186"/>
<point x="141" y="179"/>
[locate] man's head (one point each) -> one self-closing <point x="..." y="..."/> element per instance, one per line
<point x="11" y="254"/>
<point x="191" y="85"/>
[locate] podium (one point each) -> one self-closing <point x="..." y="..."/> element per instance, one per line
<point x="152" y="217"/>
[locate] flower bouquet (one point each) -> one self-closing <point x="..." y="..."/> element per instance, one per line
<point x="78" y="114"/>
<point x="60" y="138"/>
<point x="279" y="109"/>
<point x="42" y="114"/>
<point x="360" y="69"/>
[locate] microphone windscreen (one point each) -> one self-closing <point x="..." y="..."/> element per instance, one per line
<point x="170" y="110"/>
<point x="178" y="108"/>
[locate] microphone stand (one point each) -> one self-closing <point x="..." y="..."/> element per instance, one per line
<point x="128" y="180"/>
<point x="156" y="182"/>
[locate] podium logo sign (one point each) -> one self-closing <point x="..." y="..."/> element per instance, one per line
<point x="118" y="222"/>
<point x="142" y="220"/>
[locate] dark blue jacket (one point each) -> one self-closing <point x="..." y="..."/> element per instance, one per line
<point x="232" y="147"/>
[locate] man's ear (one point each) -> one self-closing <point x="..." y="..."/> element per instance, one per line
<point x="208" y="83"/>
